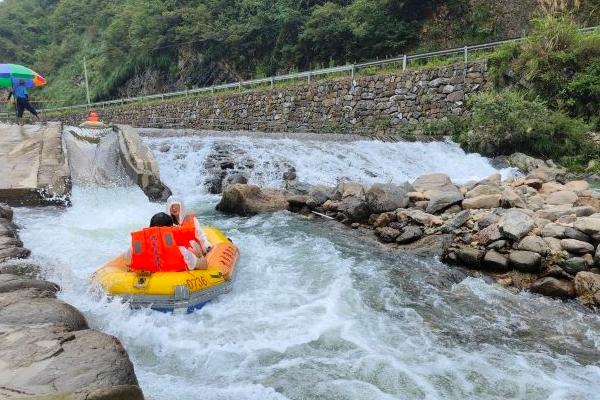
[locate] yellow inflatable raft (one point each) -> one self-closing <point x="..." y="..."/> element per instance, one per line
<point x="173" y="291"/>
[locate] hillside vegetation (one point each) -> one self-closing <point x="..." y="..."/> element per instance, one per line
<point x="138" y="47"/>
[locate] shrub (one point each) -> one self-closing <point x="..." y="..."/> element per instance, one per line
<point x="506" y="122"/>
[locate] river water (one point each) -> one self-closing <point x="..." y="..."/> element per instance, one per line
<point x="315" y="312"/>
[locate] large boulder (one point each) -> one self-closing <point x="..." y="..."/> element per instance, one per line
<point x="347" y="189"/>
<point x="409" y="235"/>
<point x="488" y="235"/>
<point x="524" y="162"/>
<point x="387" y="234"/>
<point x="386" y="197"/>
<point x="34" y="306"/>
<point x="469" y="256"/>
<point x="587" y="287"/>
<point x="246" y="200"/>
<point x="561" y="197"/>
<point x="515" y="224"/>
<point x="6" y="212"/>
<point x="495" y="261"/>
<point x="588" y="225"/>
<point x="320" y="194"/>
<point x="577" y="186"/>
<point x="10" y="283"/>
<point x="9" y="253"/>
<point x="597" y="256"/>
<point x="525" y="261"/>
<point x="50" y="359"/>
<point x="456" y="222"/>
<point x="576" y="246"/>
<point x="440" y="200"/>
<point x="483" y="190"/>
<point x="482" y="202"/>
<point x="553" y="287"/>
<point x="420" y="217"/>
<point x="535" y="244"/>
<point x="431" y="182"/>
<point x="354" y="208"/>
<point x="512" y="199"/>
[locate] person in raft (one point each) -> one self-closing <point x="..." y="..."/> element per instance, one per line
<point x="158" y="248"/>
<point x="176" y="209"/>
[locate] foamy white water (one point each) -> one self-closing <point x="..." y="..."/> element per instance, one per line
<point x="316" y="313"/>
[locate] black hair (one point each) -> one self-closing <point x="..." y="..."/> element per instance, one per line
<point x="161" y="219"/>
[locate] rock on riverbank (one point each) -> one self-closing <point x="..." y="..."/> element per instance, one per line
<point x="46" y="347"/>
<point x="540" y="233"/>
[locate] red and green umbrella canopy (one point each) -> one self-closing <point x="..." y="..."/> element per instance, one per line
<point x="11" y="74"/>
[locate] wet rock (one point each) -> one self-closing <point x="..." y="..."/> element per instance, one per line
<point x="515" y="225"/>
<point x="386" y="197"/>
<point x="469" y="256"/>
<point x="557" y="272"/>
<point x="6" y="212"/>
<point x="320" y="194"/>
<point x="13" y="252"/>
<point x="347" y="189"/>
<point x="383" y="220"/>
<point x="482" y="202"/>
<point x="553" y="213"/>
<point x="535" y="244"/>
<point x="51" y="359"/>
<point x="290" y="174"/>
<point x="21" y="268"/>
<point x="410" y="234"/>
<point x="494" y="261"/>
<point x="165" y="148"/>
<point x="234" y="178"/>
<point x="387" y="235"/>
<point x="297" y="187"/>
<point x="441" y="200"/>
<point x="525" y="261"/>
<point x="587" y="287"/>
<point x="33" y="306"/>
<point x="429" y="246"/>
<point x="250" y="200"/>
<point x="10" y="283"/>
<point x="574" y="265"/>
<point x="576" y="246"/>
<point x="554" y="287"/>
<point x="354" y="208"/>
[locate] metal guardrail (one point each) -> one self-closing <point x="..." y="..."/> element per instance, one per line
<point x="404" y="60"/>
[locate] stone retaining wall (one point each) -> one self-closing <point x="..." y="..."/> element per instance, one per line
<point x="367" y="104"/>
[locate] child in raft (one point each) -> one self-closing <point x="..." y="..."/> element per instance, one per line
<point x="177" y="211"/>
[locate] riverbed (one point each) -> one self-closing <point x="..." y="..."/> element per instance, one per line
<point x="316" y="313"/>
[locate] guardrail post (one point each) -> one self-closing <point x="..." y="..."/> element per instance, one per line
<point x="466" y="54"/>
<point x="271" y="83"/>
<point x="309" y="77"/>
<point x="352" y="72"/>
<point x="240" y="86"/>
<point x="404" y="59"/>
<point x="212" y="90"/>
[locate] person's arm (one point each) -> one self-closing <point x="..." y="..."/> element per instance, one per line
<point x="201" y="237"/>
<point x="192" y="260"/>
<point x="10" y="94"/>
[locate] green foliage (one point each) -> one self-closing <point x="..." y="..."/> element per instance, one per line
<point x="191" y="43"/>
<point x="506" y="122"/>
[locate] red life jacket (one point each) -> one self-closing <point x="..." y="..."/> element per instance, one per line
<point x="184" y="235"/>
<point x="154" y="250"/>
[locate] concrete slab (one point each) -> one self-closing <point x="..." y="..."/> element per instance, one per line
<point x="33" y="167"/>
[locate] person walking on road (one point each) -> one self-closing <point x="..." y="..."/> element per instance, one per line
<point x="21" y="97"/>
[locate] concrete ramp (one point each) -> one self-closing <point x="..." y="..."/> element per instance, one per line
<point x="33" y="166"/>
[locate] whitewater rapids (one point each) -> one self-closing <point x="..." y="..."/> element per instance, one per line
<point x="316" y="313"/>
